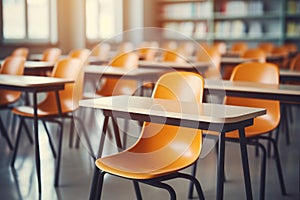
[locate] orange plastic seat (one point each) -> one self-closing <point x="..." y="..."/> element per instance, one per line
<point x="266" y="73"/>
<point x="69" y="68"/>
<point x="21" y="51"/>
<point x="173" y="56"/>
<point x="51" y="55"/>
<point x="283" y="53"/>
<point x="13" y="65"/>
<point x="146" y="161"/>
<point x="255" y="53"/>
<point x="81" y="54"/>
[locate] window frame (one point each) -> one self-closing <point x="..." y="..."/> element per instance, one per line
<point x="52" y="39"/>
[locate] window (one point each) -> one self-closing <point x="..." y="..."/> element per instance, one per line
<point x="29" y="21"/>
<point x="104" y="19"/>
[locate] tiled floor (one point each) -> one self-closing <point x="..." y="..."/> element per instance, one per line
<point x="77" y="168"/>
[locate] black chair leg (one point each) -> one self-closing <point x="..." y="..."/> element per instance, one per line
<point x="50" y="139"/>
<point x="27" y="132"/>
<point x="194" y="182"/>
<point x="191" y="188"/>
<point x="164" y="186"/>
<point x="137" y="190"/>
<point x="98" y="191"/>
<point x="57" y="170"/>
<point x="12" y="163"/>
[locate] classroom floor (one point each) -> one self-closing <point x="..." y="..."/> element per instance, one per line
<point x="20" y="183"/>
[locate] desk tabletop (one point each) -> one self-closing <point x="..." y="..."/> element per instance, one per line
<point x="30" y="81"/>
<point x="236" y="60"/>
<point x="283" y="92"/>
<point x="164" y="109"/>
<point x="189" y="66"/>
<point x="122" y="72"/>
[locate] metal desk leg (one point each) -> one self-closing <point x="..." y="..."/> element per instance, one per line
<point x="244" y="155"/>
<point x="220" y="170"/>
<point x="100" y="150"/>
<point x="36" y="139"/>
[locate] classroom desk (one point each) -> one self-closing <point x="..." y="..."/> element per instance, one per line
<point x="281" y="92"/>
<point x="198" y="67"/>
<point x="230" y="61"/>
<point x="216" y="117"/>
<point x="95" y="72"/>
<point x="34" y="84"/>
<point x="37" y="67"/>
<point x="289" y="75"/>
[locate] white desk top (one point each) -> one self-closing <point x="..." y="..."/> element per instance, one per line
<point x="31" y="81"/>
<point x="211" y="113"/>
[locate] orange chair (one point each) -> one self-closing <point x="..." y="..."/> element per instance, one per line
<point x="21" y="51"/>
<point x="51" y="55"/>
<point x="283" y="54"/>
<point x="173" y="56"/>
<point x="148" y="50"/>
<point x="255" y="53"/>
<point x="102" y="51"/>
<point x="82" y="54"/>
<point x="266" y="73"/>
<point x="13" y="65"/>
<point x="221" y="46"/>
<point x="295" y="63"/>
<point x="210" y="54"/>
<point x="267" y="47"/>
<point x="239" y="47"/>
<point x="145" y="161"/>
<point x="69" y="68"/>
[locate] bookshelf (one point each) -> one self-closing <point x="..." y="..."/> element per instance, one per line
<point x="276" y="21"/>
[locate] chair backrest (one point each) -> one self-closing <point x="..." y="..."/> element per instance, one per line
<point x="173" y="56"/>
<point x="295" y="63"/>
<point x="239" y="47"/>
<point x="255" y="53"/>
<point x="81" y="54"/>
<point x="71" y="69"/>
<point x="21" y="51"/>
<point x="51" y="54"/>
<point x="221" y="46"/>
<point x="187" y="49"/>
<point x="168" y="141"/>
<point x="102" y="51"/>
<point x="13" y="65"/>
<point x="113" y="87"/>
<point x="124" y="47"/>
<point x="267" y="47"/>
<point x="267" y="73"/>
<point x="210" y="54"/>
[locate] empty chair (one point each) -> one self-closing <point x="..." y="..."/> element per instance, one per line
<point x="281" y="55"/>
<point x="146" y="161"/>
<point x="239" y="47"/>
<point x="295" y="63"/>
<point x="51" y="55"/>
<point x="267" y="47"/>
<point x="81" y="54"/>
<point x="13" y="65"/>
<point x="148" y="51"/>
<point x="173" y="56"/>
<point x="255" y="53"/>
<point x="266" y="73"/>
<point x="210" y="54"/>
<point x="111" y="86"/>
<point x="102" y="51"/>
<point x="21" y="51"/>
<point x="69" y="68"/>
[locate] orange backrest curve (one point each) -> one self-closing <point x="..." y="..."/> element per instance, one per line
<point x="255" y="53"/>
<point x="295" y="64"/>
<point x="71" y="69"/>
<point x="166" y="140"/>
<point x="13" y="65"/>
<point x="21" y="51"/>
<point x="51" y="54"/>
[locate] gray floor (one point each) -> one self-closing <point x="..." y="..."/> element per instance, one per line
<point x="77" y="169"/>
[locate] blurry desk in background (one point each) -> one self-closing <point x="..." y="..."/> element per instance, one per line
<point x="289" y="75"/>
<point x="220" y="118"/>
<point x="282" y="92"/>
<point x="198" y="67"/>
<point x="37" y="67"/>
<point x="34" y="84"/>
<point x="96" y="72"/>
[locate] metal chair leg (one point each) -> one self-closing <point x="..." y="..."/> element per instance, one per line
<point x="12" y="163"/>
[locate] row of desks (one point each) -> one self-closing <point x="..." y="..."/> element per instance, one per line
<point x="242" y="117"/>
